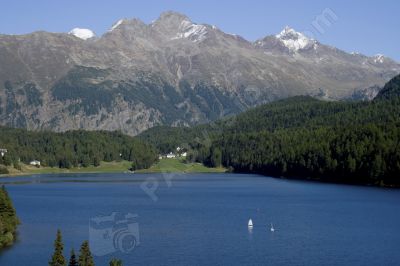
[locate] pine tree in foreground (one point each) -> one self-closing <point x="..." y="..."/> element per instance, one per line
<point x="85" y="256"/>
<point x="72" y="259"/>
<point x="115" y="262"/>
<point x="58" y="258"/>
<point x="8" y="219"/>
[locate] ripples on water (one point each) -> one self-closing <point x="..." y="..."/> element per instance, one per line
<point x="201" y="219"/>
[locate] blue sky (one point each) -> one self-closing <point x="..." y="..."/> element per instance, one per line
<point x="369" y="27"/>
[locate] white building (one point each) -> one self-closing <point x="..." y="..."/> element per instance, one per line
<point x="3" y="152"/>
<point x="171" y="155"/>
<point x="184" y="154"/>
<point x="35" y="163"/>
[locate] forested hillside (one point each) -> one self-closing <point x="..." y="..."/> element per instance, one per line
<point x="8" y="219"/>
<point x="74" y="148"/>
<point x="301" y="137"/>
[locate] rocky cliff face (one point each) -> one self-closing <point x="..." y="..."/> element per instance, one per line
<point x="172" y="71"/>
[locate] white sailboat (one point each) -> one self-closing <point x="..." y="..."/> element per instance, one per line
<point x="272" y="228"/>
<point x="250" y="223"/>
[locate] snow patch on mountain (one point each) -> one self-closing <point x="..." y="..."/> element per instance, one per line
<point x="294" y="40"/>
<point x="259" y="43"/>
<point x="379" y="58"/>
<point x="116" y="25"/>
<point x="83" y="34"/>
<point x="192" y="31"/>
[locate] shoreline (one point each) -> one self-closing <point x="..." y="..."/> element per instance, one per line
<point x="162" y="166"/>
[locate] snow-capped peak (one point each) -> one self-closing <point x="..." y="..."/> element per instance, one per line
<point x="83" y="34"/>
<point x="288" y="32"/>
<point x="188" y="29"/>
<point x="116" y="25"/>
<point x="379" y="58"/>
<point x="294" y="40"/>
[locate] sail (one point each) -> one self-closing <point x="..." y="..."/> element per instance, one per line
<point x="250" y="224"/>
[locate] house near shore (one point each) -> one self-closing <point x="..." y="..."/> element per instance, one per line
<point x="35" y="163"/>
<point x="3" y="152"/>
<point x="171" y="155"/>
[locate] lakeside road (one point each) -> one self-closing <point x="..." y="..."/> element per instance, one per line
<point x="164" y="165"/>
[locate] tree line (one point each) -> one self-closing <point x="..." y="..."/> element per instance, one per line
<point x="358" y="154"/>
<point x="8" y="219"/>
<point x="73" y="148"/>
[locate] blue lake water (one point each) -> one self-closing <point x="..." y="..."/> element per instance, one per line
<point x="201" y="219"/>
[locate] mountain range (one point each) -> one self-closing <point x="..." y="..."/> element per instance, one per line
<point x="169" y="72"/>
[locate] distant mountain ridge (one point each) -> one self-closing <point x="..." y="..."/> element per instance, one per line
<point x="172" y="72"/>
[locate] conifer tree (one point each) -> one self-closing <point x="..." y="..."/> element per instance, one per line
<point x="85" y="256"/>
<point x="8" y="219"/>
<point x="58" y="257"/>
<point x="115" y="262"/>
<point x="72" y="259"/>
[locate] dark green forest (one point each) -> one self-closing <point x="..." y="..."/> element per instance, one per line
<point x="73" y="148"/>
<point x="8" y="219"/>
<point x="302" y="137"/>
<point x="299" y="137"/>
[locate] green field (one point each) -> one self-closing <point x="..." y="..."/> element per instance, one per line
<point x="164" y="165"/>
<point x="176" y="165"/>
<point x="105" y="167"/>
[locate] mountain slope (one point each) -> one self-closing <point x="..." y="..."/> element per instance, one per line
<point x="391" y="90"/>
<point x="302" y="137"/>
<point x="171" y="72"/>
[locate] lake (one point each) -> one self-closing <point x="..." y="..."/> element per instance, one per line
<point x="201" y="219"/>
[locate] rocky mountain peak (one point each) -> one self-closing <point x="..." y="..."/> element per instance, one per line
<point x="172" y="71"/>
<point x="172" y="18"/>
<point x="117" y="24"/>
<point x="294" y="40"/>
<point x="127" y="24"/>
<point x="125" y="31"/>
<point x="192" y="31"/>
<point x="178" y="26"/>
<point x="289" y="33"/>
